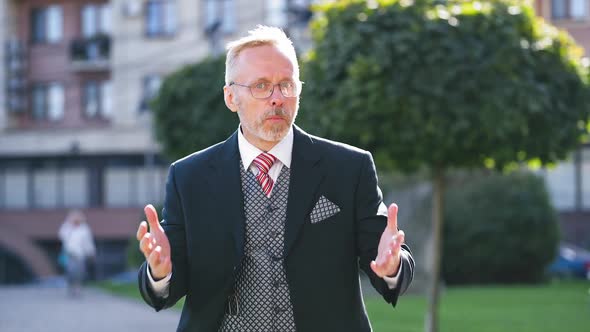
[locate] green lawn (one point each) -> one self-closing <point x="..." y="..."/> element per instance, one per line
<point x="556" y="307"/>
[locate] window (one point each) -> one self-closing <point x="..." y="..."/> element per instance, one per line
<point x="48" y="101"/>
<point x="585" y="170"/>
<point x="96" y="19"/>
<point x="569" y="9"/>
<point x="220" y="14"/>
<point x="118" y="184"/>
<point x="561" y="185"/>
<point x="98" y="99"/>
<point x="151" y="86"/>
<point x="75" y="187"/>
<point x="276" y="13"/>
<point x="16" y="189"/>
<point x="106" y="97"/>
<point x="160" y="18"/>
<point x="134" y="186"/>
<point x="47" y="24"/>
<point x="151" y="184"/>
<point x="578" y="8"/>
<point x="45" y="188"/>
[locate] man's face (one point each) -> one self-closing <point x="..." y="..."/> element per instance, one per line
<point x="264" y="121"/>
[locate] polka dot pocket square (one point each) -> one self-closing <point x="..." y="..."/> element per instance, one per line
<point x="323" y="209"/>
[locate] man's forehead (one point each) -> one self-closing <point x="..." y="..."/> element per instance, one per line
<point x="264" y="56"/>
<point x="258" y="65"/>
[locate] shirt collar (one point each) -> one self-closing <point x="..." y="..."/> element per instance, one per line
<point x="282" y="150"/>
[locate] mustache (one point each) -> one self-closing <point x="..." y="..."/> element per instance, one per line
<point x="279" y="111"/>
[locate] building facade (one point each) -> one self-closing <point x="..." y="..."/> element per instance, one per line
<point x="569" y="181"/>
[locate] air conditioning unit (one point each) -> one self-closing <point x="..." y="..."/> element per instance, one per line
<point x="132" y="8"/>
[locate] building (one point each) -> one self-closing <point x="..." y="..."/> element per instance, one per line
<point x="569" y="182"/>
<point x="75" y="126"/>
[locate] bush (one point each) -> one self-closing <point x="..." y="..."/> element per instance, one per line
<point x="499" y="229"/>
<point x="189" y="110"/>
<point x="134" y="255"/>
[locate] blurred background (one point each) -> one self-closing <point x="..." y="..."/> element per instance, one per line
<point x="78" y="84"/>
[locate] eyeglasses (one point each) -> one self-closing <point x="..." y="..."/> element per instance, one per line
<point x="263" y="90"/>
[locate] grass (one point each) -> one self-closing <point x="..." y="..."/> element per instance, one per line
<point x="555" y="307"/>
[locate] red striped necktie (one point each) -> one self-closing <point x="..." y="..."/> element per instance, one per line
<point x="264" y="162"/>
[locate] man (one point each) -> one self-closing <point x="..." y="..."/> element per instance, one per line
<point x="266" y="231"/>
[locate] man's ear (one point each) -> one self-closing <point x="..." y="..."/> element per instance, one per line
<point x="230" y="99"/>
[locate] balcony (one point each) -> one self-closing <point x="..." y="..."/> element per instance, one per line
<point x="90" y="54"/>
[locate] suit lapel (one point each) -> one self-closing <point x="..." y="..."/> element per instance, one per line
<point x="226" y="180"/>
<point x="305" y="179"/>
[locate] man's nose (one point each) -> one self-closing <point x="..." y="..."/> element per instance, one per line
<point x="277" y="98"/>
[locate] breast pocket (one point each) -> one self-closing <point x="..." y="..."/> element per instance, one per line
<point x="323" y="210"/>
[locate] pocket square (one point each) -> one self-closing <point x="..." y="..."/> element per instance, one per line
<point x="323" y="209"/>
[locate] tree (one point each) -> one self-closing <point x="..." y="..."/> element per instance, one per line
<point x="444" y="84"/>
<point x="189" y="111"/>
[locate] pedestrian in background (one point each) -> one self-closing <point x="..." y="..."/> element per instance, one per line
<point x="78" y="247"/>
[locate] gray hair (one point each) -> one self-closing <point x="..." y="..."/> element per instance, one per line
<point x="260" y="36"/>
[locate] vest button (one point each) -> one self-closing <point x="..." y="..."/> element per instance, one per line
<point x="274" y="235"/>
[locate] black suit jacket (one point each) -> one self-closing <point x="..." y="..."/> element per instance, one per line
<point x="204" y="221"/>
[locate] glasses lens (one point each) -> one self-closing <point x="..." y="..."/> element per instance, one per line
<point x="261" y="90"/>
<point x="288" y="89"/>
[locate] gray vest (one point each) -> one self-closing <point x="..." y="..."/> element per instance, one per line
<point x="261" y="301"/>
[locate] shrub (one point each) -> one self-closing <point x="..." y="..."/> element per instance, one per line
<point x="499" y="229"/>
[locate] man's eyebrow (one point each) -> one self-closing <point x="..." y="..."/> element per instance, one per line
<point x="261" y="79"/>
<point x="264" y="79"/>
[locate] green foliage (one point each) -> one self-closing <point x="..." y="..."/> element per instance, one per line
<point x="134" y="256"/>
<point x="444" y="83"/>
<point x="189" y="111"/>
<point x="498" y="229"/>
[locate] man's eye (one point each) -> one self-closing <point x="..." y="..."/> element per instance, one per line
<point x="287" y="84"/>
<point x="260" y="86"/>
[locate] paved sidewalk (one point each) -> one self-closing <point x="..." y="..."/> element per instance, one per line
<point x="42" y="308"/>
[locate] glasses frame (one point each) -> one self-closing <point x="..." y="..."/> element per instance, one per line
<point x="272" y="90"/>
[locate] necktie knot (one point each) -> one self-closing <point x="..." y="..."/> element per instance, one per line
<point x="264" y="162"/>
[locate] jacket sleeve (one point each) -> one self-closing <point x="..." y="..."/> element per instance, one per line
<point x="371" y="219"/>
<point x="173" y="225"/>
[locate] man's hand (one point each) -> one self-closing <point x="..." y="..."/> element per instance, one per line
<point x="154" y="244"/>
<point x="388" y="255"/>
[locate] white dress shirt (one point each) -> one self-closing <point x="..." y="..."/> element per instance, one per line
<point x="248" y="152"/>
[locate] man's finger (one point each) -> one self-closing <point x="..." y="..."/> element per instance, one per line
<point x="141" y="230"/>
<point x="379" y="268"/>
<point x="392" y="217"/>
<point x="375" y="268"/>
<point x="397" y="240"/>
<point x="154" y="258"/>
<point x="146" y="245"/>
<point x="152" y="217"/>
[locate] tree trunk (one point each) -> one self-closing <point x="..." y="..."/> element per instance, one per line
<point x="431" y="323"/>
